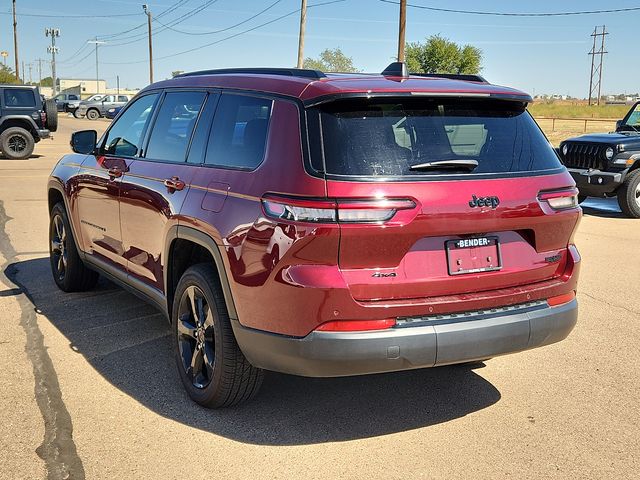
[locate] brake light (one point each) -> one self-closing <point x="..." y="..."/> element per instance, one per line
<point x="356" y="325"/>
<point x="334" y="211"/>
<point x="560" y="199"/>
<point x="561" y="299"/>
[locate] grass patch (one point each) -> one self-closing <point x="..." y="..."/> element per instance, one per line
<point x="576" y="110"/>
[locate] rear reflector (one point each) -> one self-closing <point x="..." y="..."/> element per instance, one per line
<point x="560" y="199"/>
<point x="561" y="299"/>
<point x="334" y="211"/>
<point x="356" y="325"/>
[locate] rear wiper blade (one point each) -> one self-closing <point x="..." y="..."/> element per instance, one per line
<point x="446" y="164"/>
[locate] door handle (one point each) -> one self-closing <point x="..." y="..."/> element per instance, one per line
<point x="115" y="172"/>
<point x="173" y="184"/>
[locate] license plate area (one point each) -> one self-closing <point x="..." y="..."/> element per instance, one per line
<point x="473" y="255"/>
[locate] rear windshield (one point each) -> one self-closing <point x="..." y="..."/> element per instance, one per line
<point x="385" y="138"/>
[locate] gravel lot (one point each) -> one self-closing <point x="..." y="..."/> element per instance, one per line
<point x="89" y="389"/>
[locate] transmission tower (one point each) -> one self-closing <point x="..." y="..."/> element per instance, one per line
<point x="595" y="82"/>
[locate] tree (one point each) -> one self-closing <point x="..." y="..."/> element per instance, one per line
<point x="7" y="75"/>
<point x="47" y="82"/>
<point x="331" y="61"/>
<point x="441" y="55"/>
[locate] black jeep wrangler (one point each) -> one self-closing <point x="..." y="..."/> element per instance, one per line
<point x="25" y="119"/>
<point x="608" y="164"/>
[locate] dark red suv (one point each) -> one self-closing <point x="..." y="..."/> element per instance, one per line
<point x="324" y="225"/>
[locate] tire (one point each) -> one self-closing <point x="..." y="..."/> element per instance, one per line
<point x="17" y="143"/>
<point x="92" y="114"/>
<point x="222" y="376"/>
<point x="76" y="113"/>
<point x="69" y="272"/>
<point x="582" y="198"/>
<point x="51" y="109"/>
<point x="629" y="195"/>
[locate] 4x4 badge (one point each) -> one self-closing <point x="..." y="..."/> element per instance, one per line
<point x="492" y="202"/>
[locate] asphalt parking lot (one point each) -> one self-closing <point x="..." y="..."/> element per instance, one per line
<point x="89" y="389"/>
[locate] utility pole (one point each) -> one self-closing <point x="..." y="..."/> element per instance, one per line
<point x="303" y="25"/>
<point x="23" y="77"/>
<point x="401" y="29"/>
<point x="39" y="60"/>
<point x="15" y="39"/>
<point x="148" y="13"/>
<point x="52" y="49"/>
<point x="595" y="82"/>
<point x="30" y="65"/>
<point x="97" y="42"/>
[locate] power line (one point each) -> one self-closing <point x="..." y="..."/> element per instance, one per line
<point x="189" y="14"/>
<point x="514" y="14"/>
<point x="161" y="14"/>
<point x="229" y="37"/>
<point x="102" y="37"/>
<point x="222" y="29"/>
<point x="40" y="15"/>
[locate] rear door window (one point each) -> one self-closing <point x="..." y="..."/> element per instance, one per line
<point x="238" y="135"/>
<point x="387" y="138"/>
<point x="19" y="97"/>
<point x="123" y="139"/>
<point x="122" y="98"/>
<point x="174" y="125"/>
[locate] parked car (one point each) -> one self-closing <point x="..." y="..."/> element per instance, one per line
<point x="112" y="112"/>
<point x="98" y="108"/>
<point x="25" y="119"/>
<point x="63" y="101"/>
<point x="72" y="106"/>
<point x="608" y="164"/>
<point x="323" y="225"/>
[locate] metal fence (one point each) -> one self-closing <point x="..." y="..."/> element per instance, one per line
<point x="585" y="121"/>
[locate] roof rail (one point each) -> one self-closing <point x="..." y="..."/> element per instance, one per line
<point x="288" y="72"/>
<point x="453" y="76"/>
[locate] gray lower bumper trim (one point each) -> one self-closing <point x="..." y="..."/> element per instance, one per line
<point x="335" y="354"/>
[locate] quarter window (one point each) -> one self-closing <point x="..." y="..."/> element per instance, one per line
<point x="239" y="132"/>
<point x="174" y="124"/>
<point x="123" y="139"/>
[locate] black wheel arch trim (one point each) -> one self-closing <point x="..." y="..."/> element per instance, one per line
<point x="56" y="183"/>
<point x="200" y="238"/>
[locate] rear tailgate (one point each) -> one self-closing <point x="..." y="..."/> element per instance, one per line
<point x="478" y="173"/>
<point x="408" y="258"/>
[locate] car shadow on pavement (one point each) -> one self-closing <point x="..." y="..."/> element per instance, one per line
<point x="128" y="343"/>
<point x="31" y="157"/>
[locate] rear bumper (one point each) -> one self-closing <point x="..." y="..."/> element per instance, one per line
<point x="596" y="183"/>
<point x="43" y="133"/>
<point x="431" y="342"/>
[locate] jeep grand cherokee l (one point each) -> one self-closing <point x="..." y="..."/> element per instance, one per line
<point x="323" y="225"/>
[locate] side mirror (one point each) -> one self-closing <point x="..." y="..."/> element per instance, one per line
<point x="618" y="124"/>
<point x="84" y="141"/>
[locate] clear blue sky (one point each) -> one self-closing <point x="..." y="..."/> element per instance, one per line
<point x="539" y="55"/>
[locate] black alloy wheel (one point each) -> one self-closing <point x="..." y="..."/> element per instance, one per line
<point x="69" y="271"/>
<point x="214" y="371"/>
<point x="58" y="235"/>
<point x="17" y="143"/>
<point x="196" y="340"/>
